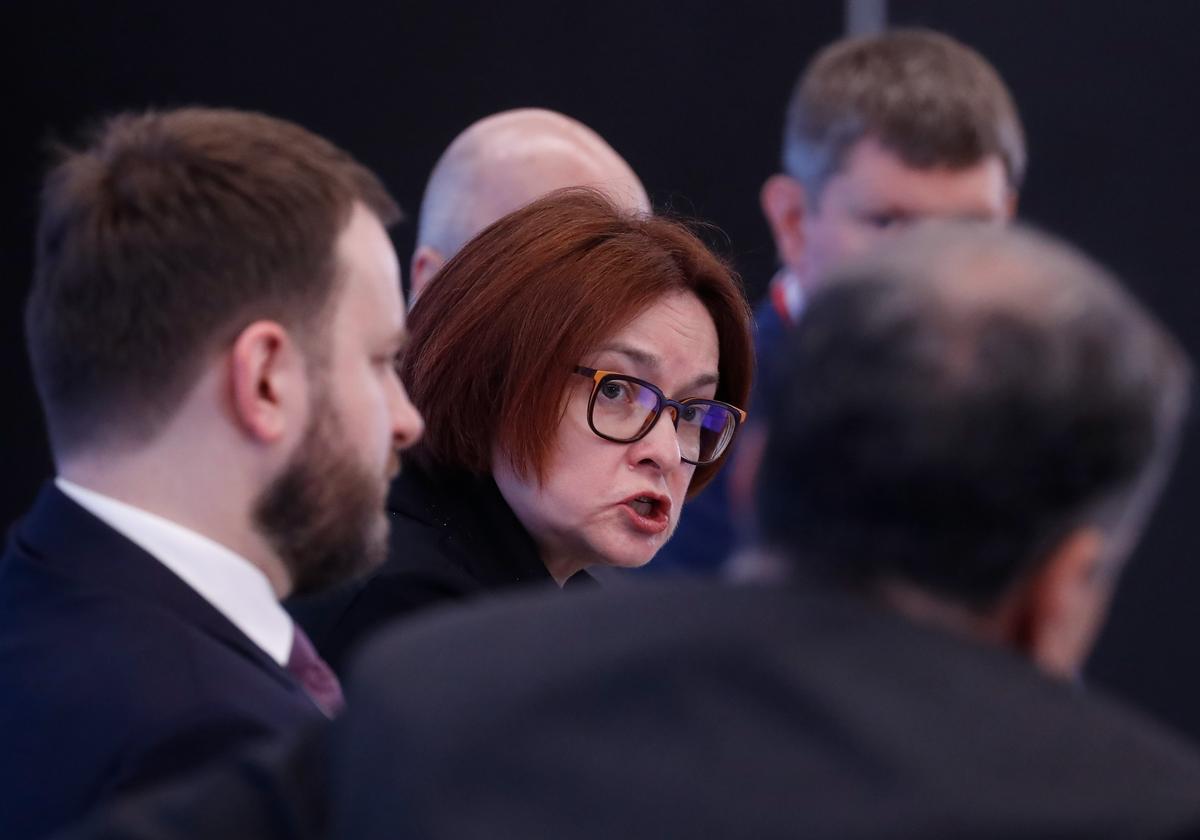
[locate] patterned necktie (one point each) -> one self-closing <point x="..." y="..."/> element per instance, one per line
<point x="314" y="675"/>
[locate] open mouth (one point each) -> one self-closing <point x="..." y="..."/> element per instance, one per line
<point x="648" y="513"/>
<point x="644" y="506"/>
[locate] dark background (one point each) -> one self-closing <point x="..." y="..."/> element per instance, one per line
<point x="692" y="94"/>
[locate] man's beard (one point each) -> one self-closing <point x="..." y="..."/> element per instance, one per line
<point x="324" y="514"/>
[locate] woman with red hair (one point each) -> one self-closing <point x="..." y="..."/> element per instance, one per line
<point x="580" y="370"/>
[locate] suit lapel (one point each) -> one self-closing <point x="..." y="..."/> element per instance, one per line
<point x="61" y="535"/>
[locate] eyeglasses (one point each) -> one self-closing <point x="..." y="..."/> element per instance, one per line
<point x="624" y="409"/>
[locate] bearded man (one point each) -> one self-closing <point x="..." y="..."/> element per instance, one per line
<point x="212" y="325"/>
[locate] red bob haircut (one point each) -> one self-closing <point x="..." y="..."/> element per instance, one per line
<point x="495" y="338"/>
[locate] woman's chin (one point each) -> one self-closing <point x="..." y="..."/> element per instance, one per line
<point x="629" y="562"/>
<point x="630" y="554"/>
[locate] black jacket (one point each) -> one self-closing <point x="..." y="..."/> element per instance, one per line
<point x="115" y="674"/>
<point x="452" y="537"/>
<point x="700" y="711"/>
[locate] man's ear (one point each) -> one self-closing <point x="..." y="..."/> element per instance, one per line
<point x="426" y="263"/>
<point x="1011" y="207"/>
<point x="1061" y="608"/>
<point x="784" y="205"/>
<point x="268" y="381"/>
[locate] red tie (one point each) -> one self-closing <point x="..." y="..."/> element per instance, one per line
<point x="314" y="675"/>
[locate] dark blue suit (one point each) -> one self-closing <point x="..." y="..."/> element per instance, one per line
<point x="114" y="673"/>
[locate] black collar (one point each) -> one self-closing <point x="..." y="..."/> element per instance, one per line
<point x="478" y="530"/>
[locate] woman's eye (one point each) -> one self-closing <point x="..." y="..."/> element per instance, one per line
<point x="611" y="390"/>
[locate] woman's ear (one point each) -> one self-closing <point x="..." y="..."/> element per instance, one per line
<point x="267" y="380"/>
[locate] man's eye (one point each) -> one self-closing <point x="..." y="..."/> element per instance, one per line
<point x="386" y="362"/>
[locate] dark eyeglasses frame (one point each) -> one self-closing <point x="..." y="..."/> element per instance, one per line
<point x="598" y="378"/>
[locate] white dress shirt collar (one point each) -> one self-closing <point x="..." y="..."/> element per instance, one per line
<point x="787" y="296"/>
<point x="232" y="584"/>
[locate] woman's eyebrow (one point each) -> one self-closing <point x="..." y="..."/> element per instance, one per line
<point x="640" y="357"/>
<point x="653" y="363"/>
<point x="701" y="381"/>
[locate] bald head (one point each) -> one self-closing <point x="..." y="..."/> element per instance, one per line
<point x="502" y="163"/>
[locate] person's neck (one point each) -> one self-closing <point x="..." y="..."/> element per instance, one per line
<point x="924" y="607"/>
<point x="562" y="566"/>
<point x="183" y="494"/>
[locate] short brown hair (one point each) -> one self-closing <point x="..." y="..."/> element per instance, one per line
<point x="928" y="98"/>
<point x="495" y="338"/>
<point x="162" y="238"/>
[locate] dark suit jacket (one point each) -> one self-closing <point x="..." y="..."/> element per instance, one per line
<point x="114" y="673"/>
<point x="699" y="711"/>
<point x="273" y="791"/>
<point x="453" y="537"/>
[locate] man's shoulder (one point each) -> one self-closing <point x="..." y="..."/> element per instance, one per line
<point x="699" y="693"/>
<point x="95" y="634"/>
<point x="66" y="638"/>
<point x="103" y="691"/>
<point x="585" y="639"/>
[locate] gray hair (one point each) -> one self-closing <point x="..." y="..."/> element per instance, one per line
<point x="956" y="401"/>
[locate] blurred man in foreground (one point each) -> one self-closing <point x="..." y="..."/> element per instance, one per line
<point x="973" y="425"/>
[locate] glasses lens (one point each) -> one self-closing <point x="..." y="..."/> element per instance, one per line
<point x="622" y="409"/>
<point x="705" y="430"/>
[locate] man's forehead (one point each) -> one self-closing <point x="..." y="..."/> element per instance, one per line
<point x="368" y="267"/>
<point x="874" y="175"/>
<point x="364" y="244"/>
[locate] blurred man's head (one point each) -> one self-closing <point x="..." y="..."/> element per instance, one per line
<point x="972" y="425"/>
<point x="212" y="326"/>
<point x="502" y="163"/>
<point x="885" y="130"/>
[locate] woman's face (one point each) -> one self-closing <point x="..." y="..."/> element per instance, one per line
<point x="617" y="503"/>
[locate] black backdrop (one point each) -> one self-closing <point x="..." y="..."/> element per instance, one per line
<point x="1107" y="90"/>
<point x="692" y="94"/>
